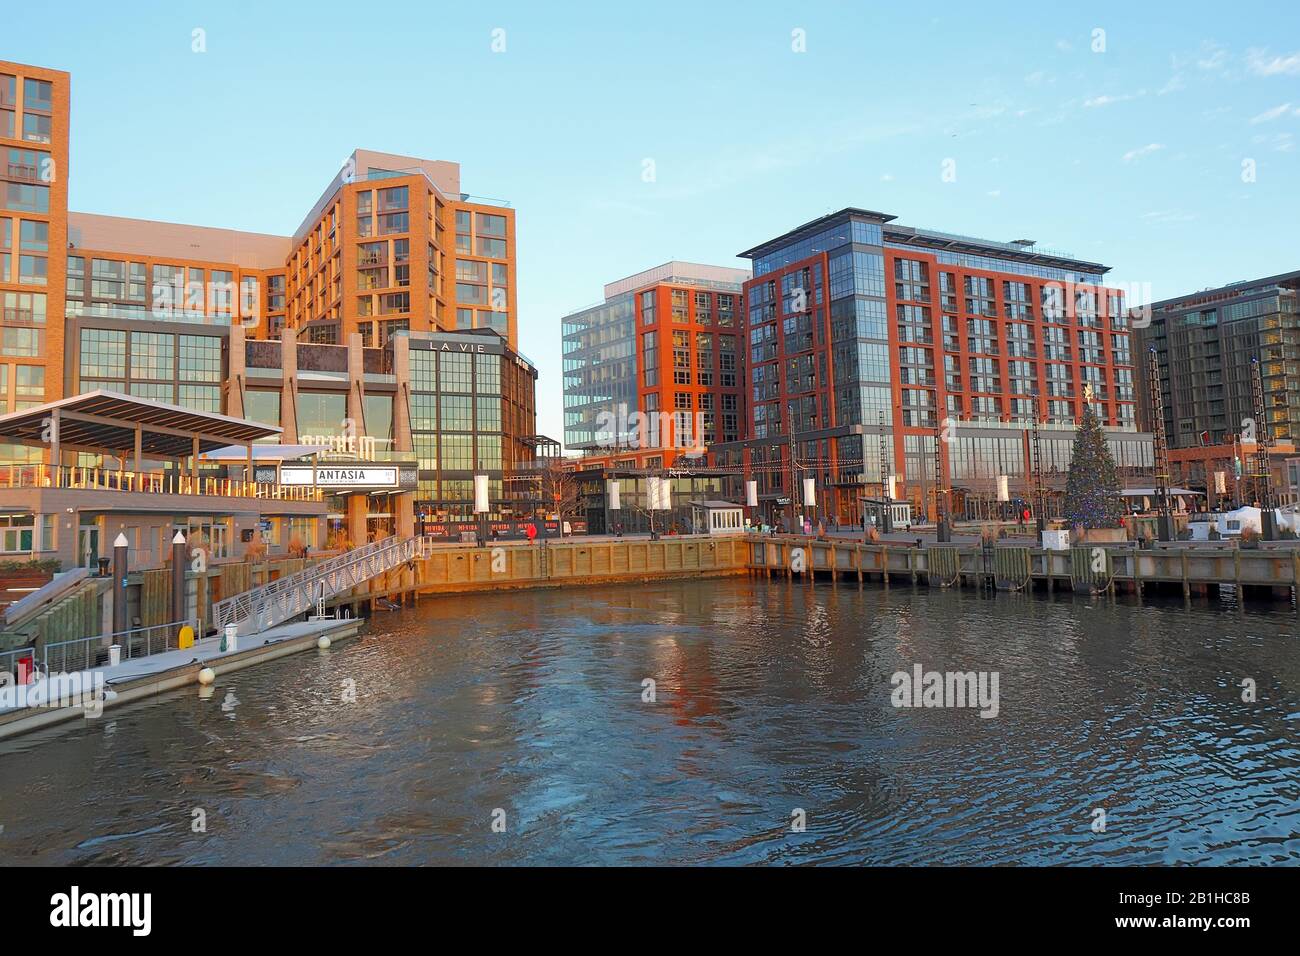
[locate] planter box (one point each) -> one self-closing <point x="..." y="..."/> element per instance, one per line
<point x="24" y="579"/>
<point x="1103" y="536"/>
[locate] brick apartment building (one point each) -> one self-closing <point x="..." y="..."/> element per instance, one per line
<point x="151" y="309"/>
<point x="873" y="343"/>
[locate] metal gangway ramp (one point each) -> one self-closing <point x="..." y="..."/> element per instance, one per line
<point x="287" y="597"/>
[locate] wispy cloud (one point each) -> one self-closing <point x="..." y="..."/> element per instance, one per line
<point x="1281" y="142"/>
<point x="1167" y="215"/>
<point x="1135" y="154"/>
<point x="1175" y="84"/>
<point x="1094" y="102"/>
<point x="1216" y="59"/>
<point x="1276" y="112"/>
<point x="1262" y="63"/>
<point x="737" y="165"/>
<point x="1210" y="58"/>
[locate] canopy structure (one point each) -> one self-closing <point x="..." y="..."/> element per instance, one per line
<point x="104" y="422"/>
<point x="272" y="453"/>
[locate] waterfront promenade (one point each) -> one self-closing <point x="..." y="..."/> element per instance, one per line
<point x="905" y="558"/>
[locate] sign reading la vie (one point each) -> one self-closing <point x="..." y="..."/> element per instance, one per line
<point x="332" y="476"/>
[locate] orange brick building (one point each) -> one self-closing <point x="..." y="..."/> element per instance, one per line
<point x="391" y="244"/>
<point x="33" y="233"/>
<point x="654" y="372"/>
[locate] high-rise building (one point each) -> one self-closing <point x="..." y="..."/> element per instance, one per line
<point x="174" y="313"/>
<point x="654" y="371"/>
<point x="1215" y="350"/>
<point x="33" y="233"/>
<point x="888" y="350"/>
<point x="393" y="244"/>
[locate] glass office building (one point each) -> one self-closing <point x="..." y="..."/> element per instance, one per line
<point x="600" y="375"/>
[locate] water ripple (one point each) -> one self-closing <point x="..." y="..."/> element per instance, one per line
<point x="526" y="713"/>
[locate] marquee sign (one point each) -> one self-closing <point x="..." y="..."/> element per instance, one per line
<point x="342" y="477"/>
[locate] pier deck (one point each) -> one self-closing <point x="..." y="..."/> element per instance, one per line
<point x="1089" y="567"/>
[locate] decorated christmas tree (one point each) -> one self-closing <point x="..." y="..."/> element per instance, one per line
<point x="1092" y="492"/>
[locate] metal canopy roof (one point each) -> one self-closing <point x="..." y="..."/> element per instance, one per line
<point x="239" y="453"/>
<point x="104" y="421"/>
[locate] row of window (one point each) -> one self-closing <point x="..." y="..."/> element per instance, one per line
<point x="36" y="124"/>
<point x="162" y="366"/>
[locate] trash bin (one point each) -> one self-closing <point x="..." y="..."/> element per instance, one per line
<point x="114" y="655"/>
<point x="26" y="668"/>
<point x="232" y="637"/>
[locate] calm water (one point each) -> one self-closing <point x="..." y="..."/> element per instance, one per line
<point x="770" y="697"/>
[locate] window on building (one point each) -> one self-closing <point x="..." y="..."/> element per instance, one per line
<point x="34" y="236"/>
<point x="22" y="197"/>
<point x="38" y="95"/>
<point x="263" y="405"/>
<point x="394" y="303"/>
<point x="489" y="224"/>
<point x="37" y="128"/>
<point x="29" y="386"/>
<point x="322" y="413"/>
<point x="103" y="354"/>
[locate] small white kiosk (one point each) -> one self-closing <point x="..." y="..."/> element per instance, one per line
<point x="887" y="514"/>
<point x="717" y="517"/>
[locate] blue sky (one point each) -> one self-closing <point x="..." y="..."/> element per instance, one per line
<point x="1131" y="155"/>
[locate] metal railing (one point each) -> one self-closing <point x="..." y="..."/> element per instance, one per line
<point x="87" y="653"/>
<point x="148" y="482"/>
<point x="287" y="597"/>
<point x="9" y="659"/>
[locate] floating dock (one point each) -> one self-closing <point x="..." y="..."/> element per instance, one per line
<point x="142" y="677"/>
